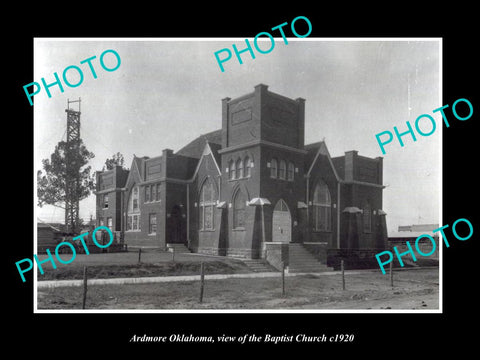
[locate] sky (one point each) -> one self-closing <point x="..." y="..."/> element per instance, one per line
<point x="167" y="92"/>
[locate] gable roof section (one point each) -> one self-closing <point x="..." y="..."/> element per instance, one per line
<point x="136" y="168"/>
<point x="42" y="224"/>
<point x="208" y="150"/>
<point x="321" y="149"/>
<point x="314" y="150"/>
<point x="339" y="163"/>
<point x="214" y="150"/>
<point x="139" y="165"/>
<point x="195" y="148"/>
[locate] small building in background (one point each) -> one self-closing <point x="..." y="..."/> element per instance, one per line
<point x="48" y="236"/>
<point x="410" y="233"/>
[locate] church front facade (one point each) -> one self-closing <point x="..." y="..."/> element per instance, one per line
<point x="251" y="183"/>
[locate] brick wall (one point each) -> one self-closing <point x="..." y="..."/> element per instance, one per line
<point x="276" y="254"/>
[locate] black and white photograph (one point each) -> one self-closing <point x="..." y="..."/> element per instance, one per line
<point x="230" y="179"/>
<point x="259" y="187"/>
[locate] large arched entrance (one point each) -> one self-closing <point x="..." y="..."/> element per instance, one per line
<point x="281" y="223"/>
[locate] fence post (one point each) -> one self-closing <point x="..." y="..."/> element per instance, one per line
<point x="173" y="254"/>
<point x="139" y="255"/>
<point x="283" y="278"/>
<point x="84" y="287"/>
<point x="202" y="280"/>
<point x="343" y="273"/>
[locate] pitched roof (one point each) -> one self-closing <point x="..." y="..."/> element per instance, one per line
<point x="339" y="164"/>
<point x="42" y="224"/>
<point x="138" y="163"/>
<point x="312" y="150"/>
<point x="195" y="148"/>
<point x="215" y="147"/>
<point x="209" y="149"/>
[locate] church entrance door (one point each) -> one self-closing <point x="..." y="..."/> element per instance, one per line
<point x="281" y="223"/>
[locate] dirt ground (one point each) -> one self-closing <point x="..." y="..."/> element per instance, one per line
<point x="367" y="289"/>
<point x="118" y="265"/>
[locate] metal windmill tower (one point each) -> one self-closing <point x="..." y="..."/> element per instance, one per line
<point x="72" y="178"/>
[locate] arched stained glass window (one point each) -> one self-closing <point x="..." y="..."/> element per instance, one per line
<point x="290" y="171"/>
<point x="239" y="167"/>
<point x="239" y="204"/>
<point x="282" y="169"/>
<point x="207" y="202"/>
<point x="248" y="167"/>
<point x="232" y="170"/>
<point x="322" y="212"/>
<point x="273" y="168"/>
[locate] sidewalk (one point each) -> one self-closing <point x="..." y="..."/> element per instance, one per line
<point x="158" y="279"/>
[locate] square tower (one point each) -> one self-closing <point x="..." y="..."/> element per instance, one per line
<point x="263" y="116"/>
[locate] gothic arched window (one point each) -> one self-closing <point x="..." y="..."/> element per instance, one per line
<point x="273" y="168"/>
<point x="207" y="201"/>
<point x="248" y="167"/>
<point x="239" y="204"/>
<point x="322" y="212"/>
<point x="239" y="168"/>
<point x="231" y="168"/>
<point x="290" y="171"/>
<point x="282" y="169"/>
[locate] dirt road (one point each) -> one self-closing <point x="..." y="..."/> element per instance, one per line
<point x="413" y="289"/>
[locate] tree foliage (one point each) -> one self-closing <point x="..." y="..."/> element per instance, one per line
<point x="68" y="161"/>
<point x="116" y="160"/>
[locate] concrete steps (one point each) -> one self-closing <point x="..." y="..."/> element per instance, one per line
<point x="179" y="248"/>
<point x="301" y="260"/>
<point x="259" y="265"/>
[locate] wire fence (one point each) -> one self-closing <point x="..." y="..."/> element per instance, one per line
<point x="208" y="286"/>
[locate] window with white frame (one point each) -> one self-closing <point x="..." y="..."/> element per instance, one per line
<point x="105" y="201"/>
<point x="133" y="211"/>
<point x="129" y="223"/>
<point x="157" y="194"/>
<point x="147" y="193"/>
<point x="248" y="167"/>
<point x="152" y="224"/>
<point x="135" y="222"/>
<point x="232" y="170"/>
<point x="135" y="198"/>
<point x="239" y="166"/>
<point x="153" y="192"/>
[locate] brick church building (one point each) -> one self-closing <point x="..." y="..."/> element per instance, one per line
<point x="251" y="187"/>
